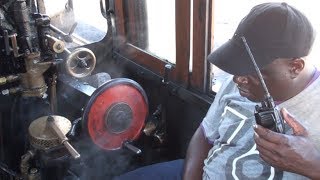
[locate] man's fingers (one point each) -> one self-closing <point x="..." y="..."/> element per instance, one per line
<point x="269" y="160"/>
<point x="266" y="155"/>
<point x="298" y="129"/>
<point x="270" y="136"/>
<point x="261" y="142"/>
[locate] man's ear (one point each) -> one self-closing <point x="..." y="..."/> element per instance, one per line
<point x="296" y="66"/>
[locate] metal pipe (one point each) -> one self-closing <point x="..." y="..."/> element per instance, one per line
<point x="53" y="93"/>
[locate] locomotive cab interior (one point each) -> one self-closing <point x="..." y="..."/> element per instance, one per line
<point x="94" y="89"/>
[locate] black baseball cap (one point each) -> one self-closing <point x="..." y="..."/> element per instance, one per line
<point x="272" y="30"/>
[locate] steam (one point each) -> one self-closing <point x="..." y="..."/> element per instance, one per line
<point x="100" y="164"/>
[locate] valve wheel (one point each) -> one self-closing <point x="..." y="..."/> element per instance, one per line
<point x="81" y="62"/>
<point x="115" y="113"/>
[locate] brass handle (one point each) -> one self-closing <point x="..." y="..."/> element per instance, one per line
<point x="63" y="138"/>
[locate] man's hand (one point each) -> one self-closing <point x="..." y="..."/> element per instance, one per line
<point x="294" y="153"/>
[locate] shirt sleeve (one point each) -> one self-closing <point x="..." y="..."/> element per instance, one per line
<point x="211" y="121"/>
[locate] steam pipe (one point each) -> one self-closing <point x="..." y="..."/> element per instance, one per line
<point x="24" y="164"/>
<point x="32" y="81"/>
<point x="22" y="19"/>
<point x="53" y="93"/>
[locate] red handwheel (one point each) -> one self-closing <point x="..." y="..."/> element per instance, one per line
<point x="115" y="113"/>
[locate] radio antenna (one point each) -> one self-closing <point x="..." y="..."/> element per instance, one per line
<point x="267" y="94"/>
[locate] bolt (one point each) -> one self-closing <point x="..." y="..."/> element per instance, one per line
<point x="5" y="92"/>
<point x="59" y="47"/>
<point x="33" y="171"/>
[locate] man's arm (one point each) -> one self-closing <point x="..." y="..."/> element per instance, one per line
<point x="197" y="151"/>
<point x="295" y="153"/>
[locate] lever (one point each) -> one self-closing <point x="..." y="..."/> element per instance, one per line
<point x="132" y="148"/>
<point x="63" y="138"/>
<point x="66" y="37"/>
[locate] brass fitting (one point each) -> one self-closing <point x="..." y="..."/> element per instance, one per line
<point x="3" y="80"/>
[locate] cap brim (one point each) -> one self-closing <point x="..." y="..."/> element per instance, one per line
<point x="232" y="58"/>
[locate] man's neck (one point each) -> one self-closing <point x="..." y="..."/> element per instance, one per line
<point x="304" y="79"/>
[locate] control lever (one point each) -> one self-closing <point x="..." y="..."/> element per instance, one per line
<point x="66" y="37"/>
<point x="132" y="148"/>
<point x="63" y="138"/>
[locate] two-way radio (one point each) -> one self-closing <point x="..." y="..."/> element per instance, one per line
<point x="266" y="115"/>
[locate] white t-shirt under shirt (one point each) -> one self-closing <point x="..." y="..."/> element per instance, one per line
<point x="229" y="126"/>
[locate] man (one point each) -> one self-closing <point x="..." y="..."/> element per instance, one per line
<point x="280" y="37"/>
<point x="223" y="147"/>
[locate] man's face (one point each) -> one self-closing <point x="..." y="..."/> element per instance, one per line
<point x="276" y="76"/>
